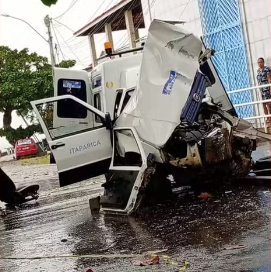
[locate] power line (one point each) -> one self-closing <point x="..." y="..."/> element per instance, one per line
<point x="69" y="47"/>
<point x="57" y="53"/>
<point x="64" y="25"/>
<point x="97" y="28"/>
<point x="71" y="5"/>
<point x="71" y="39"/>
<point x="58" y="43"/>
<point x="118" y="27"/>
<point x="93" y="14"/>
<point x="185" y="8"/>
<point x="137" y="27"/>
<point x="78" y="43"/>
<point x="82" y="43"/>
<point x="119" y="12"/>
<point x="98" y="9"/>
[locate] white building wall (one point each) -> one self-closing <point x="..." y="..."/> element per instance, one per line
<point x="257" y="20"/>
<point x="174" y="10"/>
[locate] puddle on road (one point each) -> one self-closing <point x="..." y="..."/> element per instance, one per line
<point x="266" y="268"/>
<point x="263" y="150"/>
<point x="190" y="228"/>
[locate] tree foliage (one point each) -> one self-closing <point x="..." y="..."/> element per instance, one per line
<point x="49" y="2"/>
<point x="13" y="134"/>
<point x="24" y="77"/>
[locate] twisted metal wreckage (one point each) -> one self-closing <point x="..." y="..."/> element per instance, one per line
<point x="178" y="120"/>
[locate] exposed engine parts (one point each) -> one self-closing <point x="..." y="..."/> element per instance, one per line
<point x="213" y="139"/>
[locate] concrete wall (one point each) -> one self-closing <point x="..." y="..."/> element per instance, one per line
<point x="257" y="20"/>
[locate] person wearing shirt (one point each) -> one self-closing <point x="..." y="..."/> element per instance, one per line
<point x="264" y="77"/>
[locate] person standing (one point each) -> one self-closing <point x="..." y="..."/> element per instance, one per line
<point x="264" y="77"/>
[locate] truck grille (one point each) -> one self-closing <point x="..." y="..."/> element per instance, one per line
<point x="193" y="102"/>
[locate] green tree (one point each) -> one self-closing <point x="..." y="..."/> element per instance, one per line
<point x="49" y="2"/>
<point x="24" y="77"/>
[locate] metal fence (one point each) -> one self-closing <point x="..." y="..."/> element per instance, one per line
<point x="259" y="118"/>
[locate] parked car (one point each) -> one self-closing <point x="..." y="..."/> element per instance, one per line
<point x="25" y="147"/>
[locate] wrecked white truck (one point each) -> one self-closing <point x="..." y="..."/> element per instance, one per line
<point x="173" y="118"/>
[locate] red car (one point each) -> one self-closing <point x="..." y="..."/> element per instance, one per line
<point x="25" y="147"/>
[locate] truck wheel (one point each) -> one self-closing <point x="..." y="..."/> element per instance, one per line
<point x="159" y="189"/>
<point x="52" y="159"/>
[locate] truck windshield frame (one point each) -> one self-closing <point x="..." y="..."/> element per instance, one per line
<point x="56" y="132"/>
<point x="98" y="106"/>
<point x="127" y="98"/>
<point x="206" y="70"/>
<point x="117" y="103"/>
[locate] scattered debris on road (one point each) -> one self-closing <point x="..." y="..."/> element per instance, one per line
<point x="152" y="261"/>
<point x="204" y="196"/>
<point x="164" y="259"/>
<point x="186" y="265"/>
<point x="234" y="247"/>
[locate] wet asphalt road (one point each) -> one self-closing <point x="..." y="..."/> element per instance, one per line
<point x="189" y="228"/>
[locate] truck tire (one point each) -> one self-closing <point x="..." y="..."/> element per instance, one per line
<point x="159" y="189"/>
<point x="52" y="158"/>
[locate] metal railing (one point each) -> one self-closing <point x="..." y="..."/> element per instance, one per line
<point x="257" y="102"/>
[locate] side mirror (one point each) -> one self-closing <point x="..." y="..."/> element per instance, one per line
<point x="108" y="121"/>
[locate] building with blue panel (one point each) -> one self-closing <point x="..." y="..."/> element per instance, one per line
<point x="222" y="30"/>
<point x="239" y="31"/>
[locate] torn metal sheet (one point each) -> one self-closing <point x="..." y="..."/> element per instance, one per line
<point x="246" y="129"/>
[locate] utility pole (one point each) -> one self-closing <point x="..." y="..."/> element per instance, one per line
<point x="47" y="21"/>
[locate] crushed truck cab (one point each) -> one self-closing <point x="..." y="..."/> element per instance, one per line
<point x="139" y="118"/>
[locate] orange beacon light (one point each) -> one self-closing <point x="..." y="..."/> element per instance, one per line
<point x="108" y="48"/>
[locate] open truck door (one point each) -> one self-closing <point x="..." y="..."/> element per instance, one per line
<point x="81" y="150"/>
<point x="126" y="175"/>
